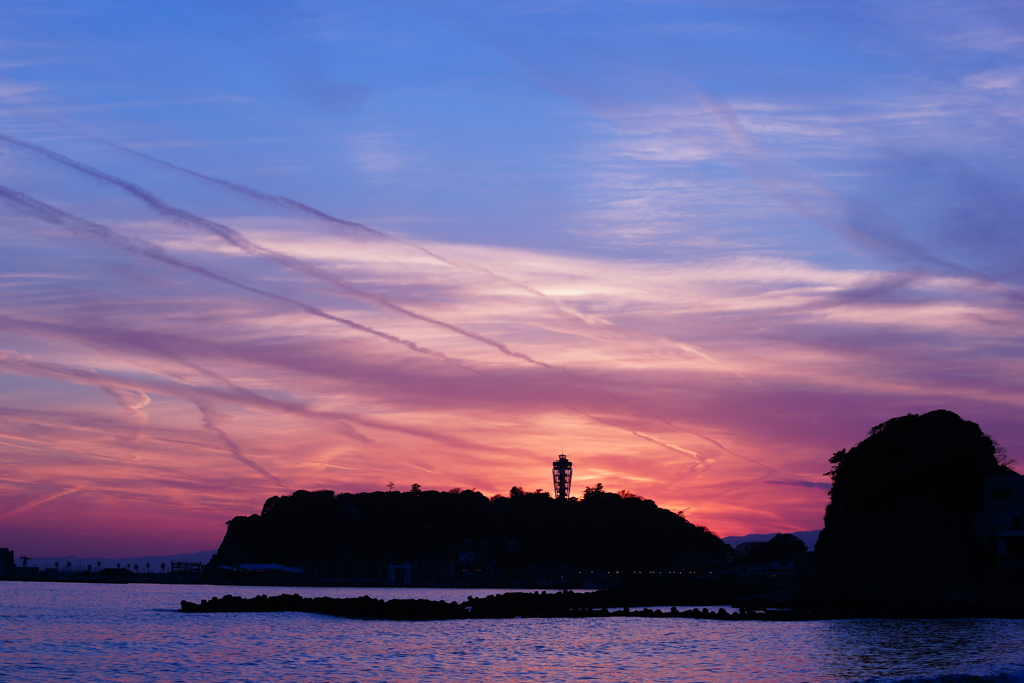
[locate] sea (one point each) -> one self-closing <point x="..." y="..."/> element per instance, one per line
<point x="134" y="632"/>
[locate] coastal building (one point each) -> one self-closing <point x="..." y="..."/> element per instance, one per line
<point x="1000" y="524"/>
<point x="6" y="561"/>
<point x="252" y="568"/>
<point x="561" y="471"/>
<point x="785" y="568"/>
<point x="400" y="573"/>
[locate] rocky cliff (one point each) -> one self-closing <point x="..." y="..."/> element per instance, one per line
<point x="898" y="534"/>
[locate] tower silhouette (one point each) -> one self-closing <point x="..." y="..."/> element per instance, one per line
<point x="561" y="471"/>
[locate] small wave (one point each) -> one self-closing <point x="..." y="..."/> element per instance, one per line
<point x="1005" y="677"/>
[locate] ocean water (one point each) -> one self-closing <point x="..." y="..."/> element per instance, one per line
<point x="75" y="632"/>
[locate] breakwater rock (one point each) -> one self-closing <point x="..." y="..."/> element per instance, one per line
<point x="504" y="606"/>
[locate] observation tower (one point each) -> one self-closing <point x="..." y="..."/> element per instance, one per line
<point x="561" y="471"/>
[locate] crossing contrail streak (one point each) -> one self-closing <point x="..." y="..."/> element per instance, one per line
<point x="352" y="227"/>
<point x="233" y="448"/>
<point x="140" y="247"/>
<point x="11" y="361"/>
<point x="238" y="240"/>
<point x="39" y="501"/>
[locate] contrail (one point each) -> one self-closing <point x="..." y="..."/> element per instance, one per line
<point x="27" y="448"/>
<point x="140" y="247"/>
<point x="702" y="460"/>
<point x="39" y="501"/>
<point x="11" y="361"/>
<point x="238" y="240"/>
<point x="639" y="408"/>
<point x="157" y="345"/>
<point x="132" y="401"/>
<point x="767" y="175"/>
<point x="233" y="448"/>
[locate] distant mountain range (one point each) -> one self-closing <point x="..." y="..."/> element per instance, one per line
<point x="810" y="538"/>
<point x="153" y="560"/>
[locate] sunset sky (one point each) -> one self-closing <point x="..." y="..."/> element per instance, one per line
<point x="252" y="247"/>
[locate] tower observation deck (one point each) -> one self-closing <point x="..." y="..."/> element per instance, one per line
<point x="561" y="471"/>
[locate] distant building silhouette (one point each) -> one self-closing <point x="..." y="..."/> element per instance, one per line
<point x="6" y="561"/>
<point x="561" y="471"/>
<point x="1000" y="524"/>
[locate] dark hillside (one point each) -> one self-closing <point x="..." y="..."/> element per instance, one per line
<point x="357" y="535"/>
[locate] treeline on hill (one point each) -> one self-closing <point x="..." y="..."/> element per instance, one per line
<point x="348" y="534"/>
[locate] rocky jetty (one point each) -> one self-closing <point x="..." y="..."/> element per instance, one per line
<point x="562" y="605"/>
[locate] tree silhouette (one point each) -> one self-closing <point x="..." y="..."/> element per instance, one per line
<point x="147" y="567"/>
<point x="163" y="566"/>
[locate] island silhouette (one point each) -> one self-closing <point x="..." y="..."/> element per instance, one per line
<point x="434" y="537"/>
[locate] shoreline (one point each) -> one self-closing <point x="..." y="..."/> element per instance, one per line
<point x="325" y="583"/>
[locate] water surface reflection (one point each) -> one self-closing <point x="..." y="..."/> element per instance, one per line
<point x="133" y="632"/>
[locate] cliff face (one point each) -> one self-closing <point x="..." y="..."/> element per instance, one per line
<point x="334" y="534"/>
<point x="899" y="529"/>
